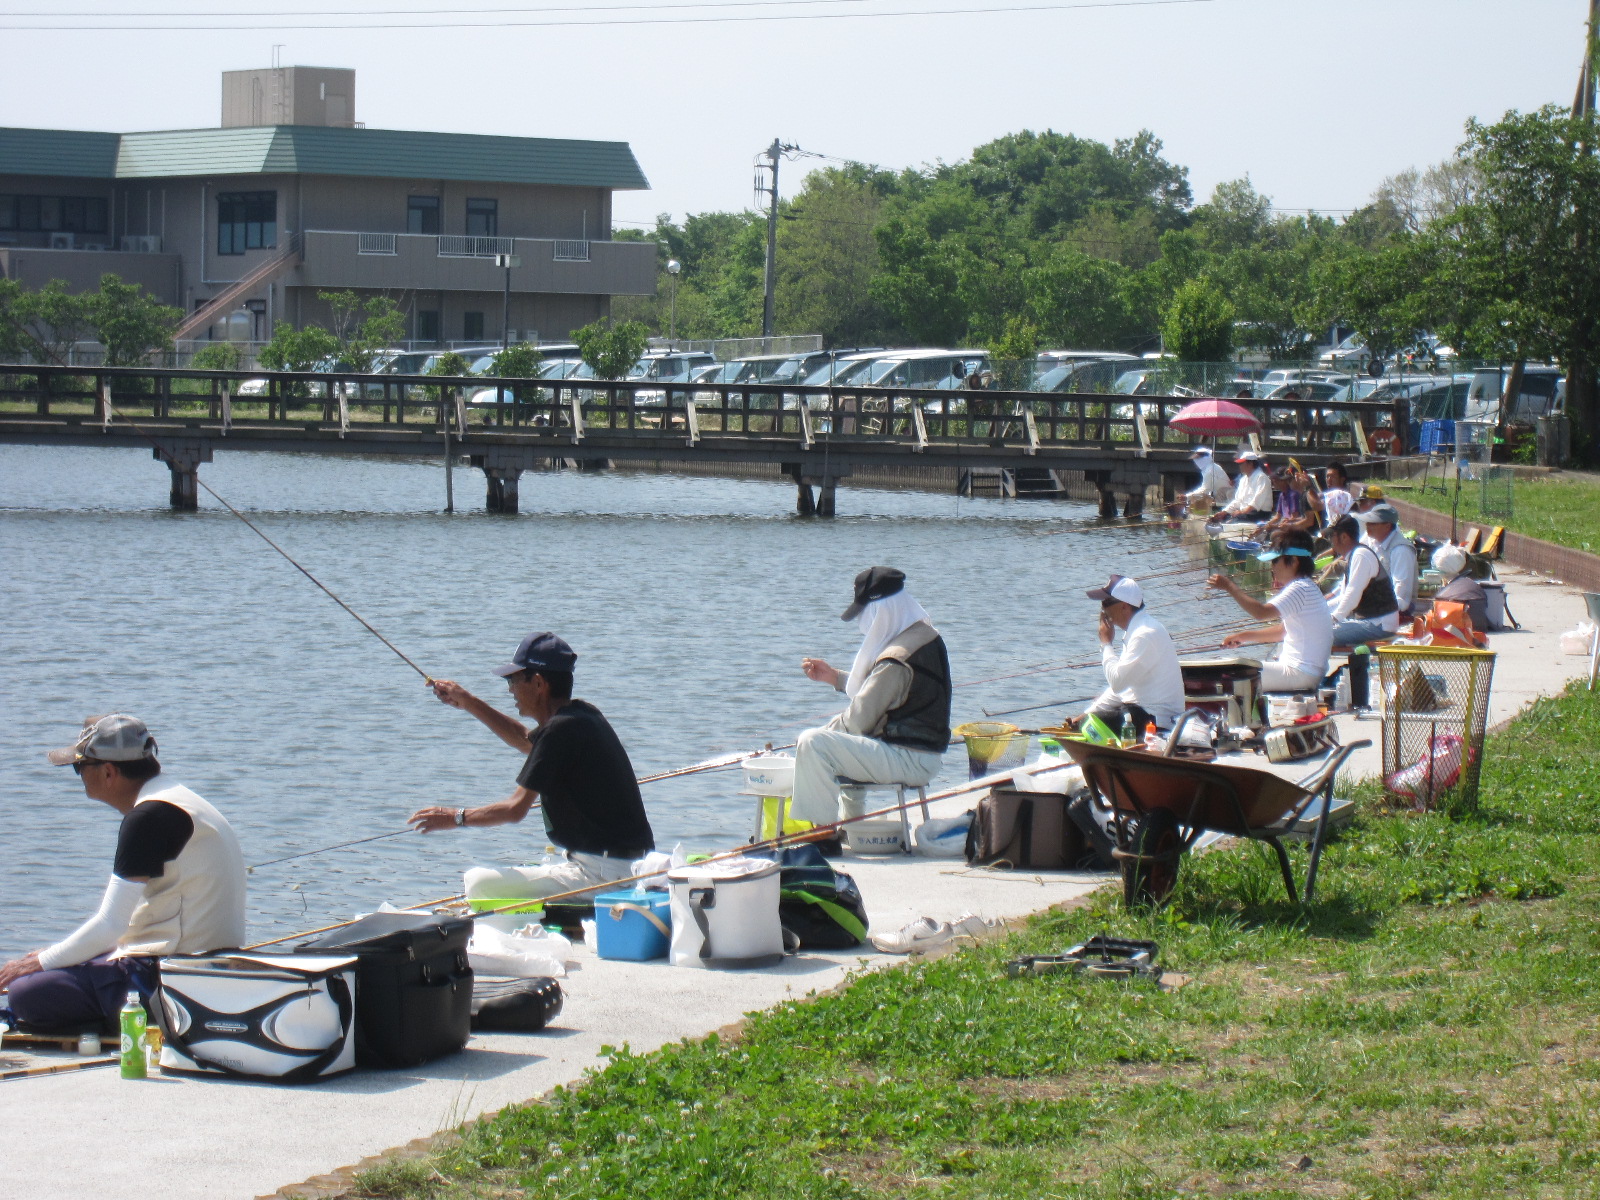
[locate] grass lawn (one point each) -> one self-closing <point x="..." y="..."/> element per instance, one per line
<point x="1427" y="1028"/>
<point x="1560" y="509"/>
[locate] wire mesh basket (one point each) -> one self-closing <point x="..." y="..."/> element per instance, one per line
<point x="1435" y="707"/>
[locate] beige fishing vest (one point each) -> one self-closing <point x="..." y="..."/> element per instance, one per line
<point x="197" y="904"/>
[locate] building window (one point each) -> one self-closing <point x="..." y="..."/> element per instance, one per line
<point x="422" y="214"/>
<point x="483" y="218"/>
<point x="472" y="326"/>
<point x="246" y="221"/>
<point x="427" y="329"/>
<point x="47" y="214"/>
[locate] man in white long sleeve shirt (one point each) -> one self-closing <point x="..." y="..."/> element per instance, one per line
<point x="897" y="725"/>
<point x="1382" y="523"/>
<point x="1143" y="677"/>
<point x="1363" y="605"/>
<point x="1252" y="490"/>
<point x="1215" y="486"/>
<point x="177" y="887"/>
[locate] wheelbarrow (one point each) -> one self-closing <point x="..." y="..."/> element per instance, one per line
<point x="1160" y="806"/>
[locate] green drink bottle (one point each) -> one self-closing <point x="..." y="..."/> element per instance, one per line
<point x="1130" y="735"/>
<point x="133" y="1023"/>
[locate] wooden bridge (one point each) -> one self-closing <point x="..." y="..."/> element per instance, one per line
<point x="817" y="436"/>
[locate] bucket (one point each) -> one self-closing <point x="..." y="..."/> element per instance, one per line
<point x="992" y="746"/>
<point x="874" y="837"/>
<point x="725" y="915"/>
<point x="769" y="819"/>
<point x="514" y="914"/>
<point x="634" y="925"/>
<point x="769" y="775"/>
<point x="1495" y="593"/>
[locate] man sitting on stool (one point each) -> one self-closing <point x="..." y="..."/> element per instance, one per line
<point x="897" y="726"/>
<point x="1252" y="490"/>
<point x="576" y="769"/>
<point x="1382" y="522"/>
<point x="1144" y="679"/>
<point x="1363" y="605"/>
<point x="177" y="887"/>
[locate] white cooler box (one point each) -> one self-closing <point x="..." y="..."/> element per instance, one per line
<point x="725" y="915"/>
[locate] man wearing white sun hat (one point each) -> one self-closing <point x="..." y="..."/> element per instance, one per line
<point x="1143" y="678"/>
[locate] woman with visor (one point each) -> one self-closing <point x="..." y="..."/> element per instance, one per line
<point x="1300" y="616"/>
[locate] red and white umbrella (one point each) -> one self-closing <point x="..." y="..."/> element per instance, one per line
<point x="1215" y="417"/>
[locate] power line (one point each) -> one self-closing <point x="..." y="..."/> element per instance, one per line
<point x="427" y="12"/>
<point x="839" y="16"/>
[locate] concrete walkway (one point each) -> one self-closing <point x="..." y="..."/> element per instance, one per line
<point x="178" y="1139"/>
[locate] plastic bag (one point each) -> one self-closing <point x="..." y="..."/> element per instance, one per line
<point x="491" y="952"/>
<point x="1579" y="640"/>
<point x="1438" y="769"/>
<point x="943" y="837"/>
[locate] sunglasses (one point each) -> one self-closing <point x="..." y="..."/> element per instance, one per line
<point x="79" y="766"/>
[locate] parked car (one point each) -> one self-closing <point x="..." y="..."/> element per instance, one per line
<point x="1351" y="352"/>
<point x="1543" y="391"/>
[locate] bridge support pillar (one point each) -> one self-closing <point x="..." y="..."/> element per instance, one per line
<point x="183" y="459"/>
<point x="805" y="505"/>
<point x="1133" y="504"/>
<point x="825" y="496"/>
<point x="501" y="496"/>
<point x="1108" y="500"/>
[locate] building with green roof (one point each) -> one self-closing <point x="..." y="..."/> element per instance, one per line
<point x="244" y="224"/>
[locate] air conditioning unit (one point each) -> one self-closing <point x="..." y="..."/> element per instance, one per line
<point x="142" y="243"/>
<point x="62" y="241"/>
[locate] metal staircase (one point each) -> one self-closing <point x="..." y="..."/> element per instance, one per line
<point x="222" y="303"/>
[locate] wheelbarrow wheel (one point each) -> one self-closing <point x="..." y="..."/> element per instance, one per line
<point x="1150" y="870"/>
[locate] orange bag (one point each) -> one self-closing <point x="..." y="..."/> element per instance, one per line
<point x="1449" y="625"/>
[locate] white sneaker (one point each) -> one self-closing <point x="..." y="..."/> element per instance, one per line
<point x="971" y="925"/>
<point x="922" y="934"/>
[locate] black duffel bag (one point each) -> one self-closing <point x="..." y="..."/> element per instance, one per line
<point x="515" y="1005"/>
<point x="413" y="985"/>
<point x="820" y="906"/>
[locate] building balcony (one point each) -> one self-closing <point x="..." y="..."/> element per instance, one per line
<point x="453" y="263"/>
<point x="80" y="268"/>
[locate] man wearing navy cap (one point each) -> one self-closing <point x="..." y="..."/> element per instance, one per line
<point x="576" y="770"/>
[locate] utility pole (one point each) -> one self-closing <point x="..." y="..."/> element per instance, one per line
<point x="1584" y="102"/>
<point x="772" y="154"/>
<point x="508" y="261"/>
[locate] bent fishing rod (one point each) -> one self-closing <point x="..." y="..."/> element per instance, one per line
<point x="817" y="833"/>
<point x="166" y="456"/>
<point x="1229" y="626"/>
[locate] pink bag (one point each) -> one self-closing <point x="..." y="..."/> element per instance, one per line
<point x="1438" y="769"/>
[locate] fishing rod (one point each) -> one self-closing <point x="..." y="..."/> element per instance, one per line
<point x="817" y="833"/>
<point x="1049" y="668"/>
<point x="1006" y="712"/>
<point x="171" y="462"/>
<point x="339" y="846"/>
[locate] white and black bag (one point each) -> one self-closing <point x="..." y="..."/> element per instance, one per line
<point x="725" y="915"/>
<point x="285" y="1018"/>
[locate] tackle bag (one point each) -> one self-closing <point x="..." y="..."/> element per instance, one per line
<point x="725" y="914"/>
<point x="414" y="985"/>
<point x="821" y="907"/>
<point x="514" y="1005"/>
<point x="285" y="1018"/>
<point x="1024" y="831"/>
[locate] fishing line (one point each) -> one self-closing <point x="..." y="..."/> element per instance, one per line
<point x="365" y="624"/>
<point x="338" y="846"/>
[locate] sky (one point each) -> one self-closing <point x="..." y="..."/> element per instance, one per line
<point x="1317" y="102"/>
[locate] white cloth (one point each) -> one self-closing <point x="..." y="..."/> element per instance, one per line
<point x="1400" y="560"/>
<point x="881" y="621"/>
<point x="1336" y="502"/>
<point x="1251" y="493"/>
<point x="822" y="756"/>
<point x="1145" y="671"/>
<point x="100" y="932"/>
<point x="1277" y="677"/>
<point x="546" y="879"/>
<point x="1307" y="628"/>
<point x="1214" y="482"/>
<point x="1360" y="568"/>
<point x="887" y="685"/>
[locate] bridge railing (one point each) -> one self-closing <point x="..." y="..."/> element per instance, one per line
<point x="573" y="409"/>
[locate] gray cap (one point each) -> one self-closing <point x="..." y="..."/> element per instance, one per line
<point x="114" y="738"/>
<point x="1382" y="514"/>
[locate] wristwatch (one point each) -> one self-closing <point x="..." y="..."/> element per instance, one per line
<point x="461" y="816"/>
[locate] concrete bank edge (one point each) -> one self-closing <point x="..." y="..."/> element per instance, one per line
<point x="337" y="1184"/>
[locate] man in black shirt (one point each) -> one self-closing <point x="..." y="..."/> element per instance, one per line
<point x="576" y="771"/>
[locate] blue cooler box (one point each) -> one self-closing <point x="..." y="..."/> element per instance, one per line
<point x="633" y="925"/>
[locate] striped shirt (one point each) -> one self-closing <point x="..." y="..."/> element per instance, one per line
<point x="1307" y="627"/>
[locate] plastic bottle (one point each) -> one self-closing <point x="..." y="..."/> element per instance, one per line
<point x="133" y="1025"/>
<point x="1341" y="693"/>
<point x="1152" y="737"/>
<point x="1130" y="735"/>
<point x="153" y="1041"/>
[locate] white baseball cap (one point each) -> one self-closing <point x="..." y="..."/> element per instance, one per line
<point x="113" y="738"/>
<point x="1120" y="588"/>
<point x="1200" y="452"/>
<point x="1247" y="456"/>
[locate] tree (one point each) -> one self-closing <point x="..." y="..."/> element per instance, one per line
<point x="43" y="324"/>
<point x="827" y="258"/>
<point x="129" y="322"/>
<point x="611" y="352"/>
<point x="1198" y="323"/>
<point x="1080" y="301"/>
<point x="362" y="328"/>
<point x="521" y="361"/>
<point x="292" y="349"/>
<point x="1515" y="271"/>
<point x="217" y="356"/>
<point x="1012" y="354"/>
<point x="449" y="363"/>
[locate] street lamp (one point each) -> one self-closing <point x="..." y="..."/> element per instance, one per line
<point x="507" y="261"/>
<point x="673" y="267"/>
